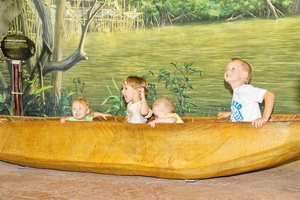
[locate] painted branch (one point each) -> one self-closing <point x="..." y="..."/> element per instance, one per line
<point x="235" y="18"/>
<point x="79" y="53"/>
<point x="251" y="14"/>
<point x="65" y="64"/>
<point x="271" y="8"/>
<point x="44" y="14"/>
<point x="44" y="61"/>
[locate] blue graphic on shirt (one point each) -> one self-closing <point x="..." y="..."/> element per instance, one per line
<point x="236" y="115"/>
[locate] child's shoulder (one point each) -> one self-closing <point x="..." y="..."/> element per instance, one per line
<point x="177" y="117"/>
<point x="248" y="89"/>
<point x="247" y="86"/>
<point x="89" y="118"/>
<point x="134" y="103"/>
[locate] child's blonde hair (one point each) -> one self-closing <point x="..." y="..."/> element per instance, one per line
<point x="136" y="82"/>
<point x="83" y="101"/>
<point x="245" y="67"/>
<point x="164" y="103"/>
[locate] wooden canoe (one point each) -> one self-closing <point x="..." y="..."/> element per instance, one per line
<point x="202" y="147"/>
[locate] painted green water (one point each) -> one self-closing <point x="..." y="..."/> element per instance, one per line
<point x="270" y="46"/>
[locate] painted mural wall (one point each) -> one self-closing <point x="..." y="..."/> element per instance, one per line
<point x="86" y="48"/>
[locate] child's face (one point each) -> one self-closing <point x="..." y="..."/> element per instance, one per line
<point x="130" y="94"/>
<point x="234" y="72"/>
<point x="79" y="110"/>
<point x="159" y="112"/>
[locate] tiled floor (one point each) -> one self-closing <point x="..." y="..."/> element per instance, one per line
<point x="282" y="182"/>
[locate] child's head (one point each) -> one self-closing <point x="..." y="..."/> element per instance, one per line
<point x="136" y="82"/>
<point x="131" y="85"/>
<point x="80" y="108"/>
<point x="162" y="107"/>
<point x="238" y="70"/>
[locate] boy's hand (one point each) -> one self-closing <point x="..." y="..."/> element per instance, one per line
<point x="222" y="115"/>
<point x="104" y="115"/>
<point x="258" y="123"/>
<point x="2" y="121"/>
<point x="98" y="114"/>
<point x="152" y="123"/>
<point x="141" y="92"/>
<point x="63" y="120"/>
<point x="144" y="109"/>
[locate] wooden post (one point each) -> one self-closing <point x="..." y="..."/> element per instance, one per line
<point x="17" y="90"/>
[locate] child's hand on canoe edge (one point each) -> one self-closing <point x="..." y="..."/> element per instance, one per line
<point x="222" y="115"/>
<point x="258" y="123"/>
<point x="2" y="121"/>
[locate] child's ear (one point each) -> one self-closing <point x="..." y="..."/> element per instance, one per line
<point x="166" y="112"/>
<point x="245" y="74"/>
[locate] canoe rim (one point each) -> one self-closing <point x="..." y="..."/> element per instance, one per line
<point x="274" y="118"/>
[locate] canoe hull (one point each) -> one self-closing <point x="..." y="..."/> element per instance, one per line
<point x="202" y="149"/>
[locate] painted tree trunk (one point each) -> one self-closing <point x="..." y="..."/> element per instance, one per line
<point x="58" y="45"/>
<point x="296" y="7"/>
<point x="25" y="29"/>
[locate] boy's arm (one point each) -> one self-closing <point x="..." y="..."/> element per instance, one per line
<point x="144" y="105"/>
<point x="269" y="99"/>
<point x="99" y="114"/>
<point x="162" y="120"/>
<point x="222" y="115"/>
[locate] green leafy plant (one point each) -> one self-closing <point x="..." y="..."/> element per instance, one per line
<point x="49" y="105"/>
<point x="5" y="104"/>
<point x="30" y="98"/>
<point x="38" y="101"/>
<point x="118" y="108"/>
<point x="178" y="81"/>
<point x="79" y="87"/>
<point x="34" y="96"/>
<point x="152" y="89"/>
